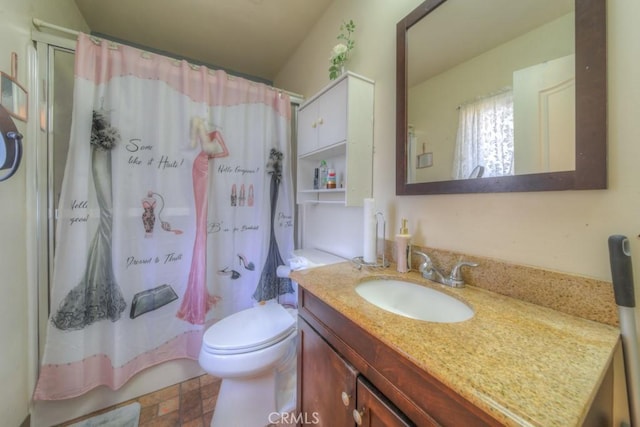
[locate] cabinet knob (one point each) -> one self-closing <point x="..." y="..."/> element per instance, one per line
<point x="314" y="124"/>
<point x="357" y="415"/>
<point x="320" y="121"/>
<point x="346" y="398"/>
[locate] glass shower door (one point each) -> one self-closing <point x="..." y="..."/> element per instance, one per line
<point x="55" y="70"/>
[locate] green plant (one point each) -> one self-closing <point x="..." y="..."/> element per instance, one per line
<point x="340" y="52"/>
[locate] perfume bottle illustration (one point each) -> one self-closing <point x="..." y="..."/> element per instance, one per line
<point x="148" y="215"/>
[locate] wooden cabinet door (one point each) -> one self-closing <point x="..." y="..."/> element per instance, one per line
<point x="326" y="382"/>
<point x="374" y="410"/>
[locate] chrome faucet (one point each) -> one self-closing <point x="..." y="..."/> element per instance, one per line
<point x="430" y="272"/>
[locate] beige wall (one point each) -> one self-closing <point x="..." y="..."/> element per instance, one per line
<point x="15" y="332"/>
<point x="564" y="231"/>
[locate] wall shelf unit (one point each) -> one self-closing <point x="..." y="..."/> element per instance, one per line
<point x="336" y="126"/>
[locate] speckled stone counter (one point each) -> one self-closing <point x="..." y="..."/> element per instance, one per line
<point x="522" y="363"/>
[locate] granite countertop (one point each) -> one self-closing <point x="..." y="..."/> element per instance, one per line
<point x="522" y="363"/>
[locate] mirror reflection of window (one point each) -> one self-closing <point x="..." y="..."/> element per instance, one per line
<point x="493" y="43"/>
<point x="485" y="137"/>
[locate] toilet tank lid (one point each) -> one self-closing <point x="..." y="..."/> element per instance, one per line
<point x="252" y="327"/>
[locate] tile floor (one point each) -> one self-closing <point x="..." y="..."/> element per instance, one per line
<point x="187" y="404"/>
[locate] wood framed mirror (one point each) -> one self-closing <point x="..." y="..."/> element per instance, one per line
<point x="437" y="30"/>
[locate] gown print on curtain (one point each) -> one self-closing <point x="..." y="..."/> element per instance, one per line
<point x="197" y="301"/>
<point x="97" y="296"/>
<point x="163" y="226"/>
<point x="270" y="285"/>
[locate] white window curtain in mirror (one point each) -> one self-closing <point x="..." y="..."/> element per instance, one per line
<point x="485" y="136"/>
<point x="175" y="212"/>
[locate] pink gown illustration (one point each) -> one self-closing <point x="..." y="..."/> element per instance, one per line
<point x="196" y="301"/>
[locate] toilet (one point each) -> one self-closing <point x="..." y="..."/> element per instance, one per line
<point x="254" y="352"/>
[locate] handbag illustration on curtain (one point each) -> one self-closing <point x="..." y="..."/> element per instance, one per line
<point x="97" y="296"/>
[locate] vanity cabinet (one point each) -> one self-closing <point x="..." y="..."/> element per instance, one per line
<point x="336" y="126"/>
<point x="337" y="359"/>
<point x="328" y="387"/>
<point x="332" y="393"/>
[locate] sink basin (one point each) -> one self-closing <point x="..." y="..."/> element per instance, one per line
<point x="414" y="301"/>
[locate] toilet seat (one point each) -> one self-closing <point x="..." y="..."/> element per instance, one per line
<point x="249" y="330"/>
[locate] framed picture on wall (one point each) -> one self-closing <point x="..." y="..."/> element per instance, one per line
<point x="425" y="160"/>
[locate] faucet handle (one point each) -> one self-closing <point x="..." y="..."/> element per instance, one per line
<point x="427" y="264"/>
<point x="456" y="271"/>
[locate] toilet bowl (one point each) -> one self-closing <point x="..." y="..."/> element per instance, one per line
<point x="254" y="352"/>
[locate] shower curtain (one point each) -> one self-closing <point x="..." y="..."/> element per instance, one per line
<point x="176" y="209"/>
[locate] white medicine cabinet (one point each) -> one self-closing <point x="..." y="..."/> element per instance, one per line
<point x="336" y="126"/>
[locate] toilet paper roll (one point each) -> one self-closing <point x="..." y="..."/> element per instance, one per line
<point x="283" y="271"/>
<point x="369" y="220"/>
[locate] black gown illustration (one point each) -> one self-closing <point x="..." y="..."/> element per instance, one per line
<point x="270" y="285"/>
<point x="97" y="296"/>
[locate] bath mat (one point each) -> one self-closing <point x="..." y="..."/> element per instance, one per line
<point x="125" y="416"/>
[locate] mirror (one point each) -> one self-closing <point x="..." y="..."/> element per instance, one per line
<point x="13" y="97"/>
<point x="498" y="96"/>
<point x="10" y="146"/>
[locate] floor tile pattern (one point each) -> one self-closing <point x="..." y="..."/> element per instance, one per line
<point x="187" y="404"/>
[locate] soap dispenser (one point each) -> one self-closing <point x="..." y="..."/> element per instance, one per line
<point x="403" y="248"/>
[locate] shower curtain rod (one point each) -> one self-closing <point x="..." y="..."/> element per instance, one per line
<point x="39" y="23"/>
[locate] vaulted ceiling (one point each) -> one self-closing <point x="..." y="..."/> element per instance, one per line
<point x="252" y="37"/>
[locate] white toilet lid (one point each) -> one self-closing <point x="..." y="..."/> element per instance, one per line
<point x="249" y="329"/>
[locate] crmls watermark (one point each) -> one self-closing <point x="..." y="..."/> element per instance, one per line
<point x="291" y="418"/>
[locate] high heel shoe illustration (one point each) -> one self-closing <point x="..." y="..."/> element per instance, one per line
<point x="248" y="265"/>
<point x="226" y="272"/>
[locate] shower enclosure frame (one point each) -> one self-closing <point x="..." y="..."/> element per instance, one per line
<point x="40" y="191"/>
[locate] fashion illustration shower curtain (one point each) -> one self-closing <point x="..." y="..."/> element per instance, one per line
<point x="176" y="210"/>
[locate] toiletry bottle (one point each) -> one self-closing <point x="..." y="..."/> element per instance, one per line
<point x="323" y="174"/>
<point x="331" y="178"/>
<point x="402" y="248"/>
